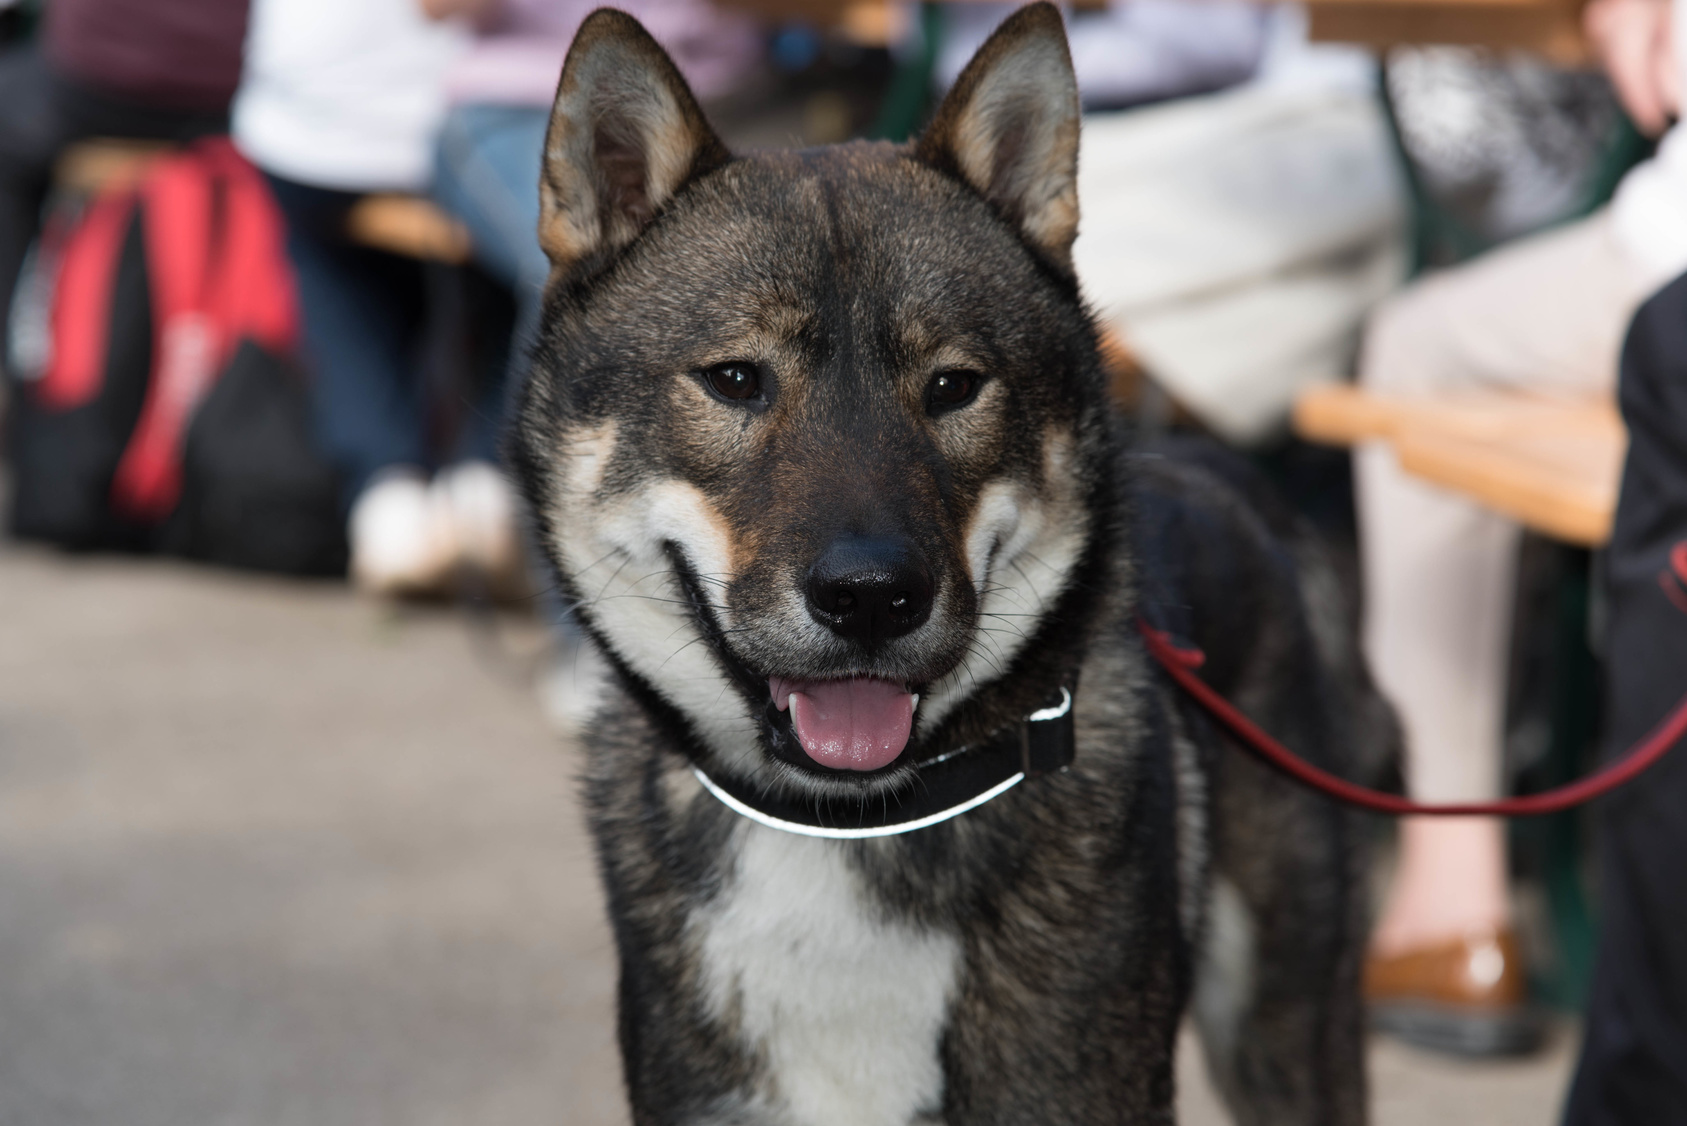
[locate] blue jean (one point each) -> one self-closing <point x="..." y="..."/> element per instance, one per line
<point x="364" y="313"/>
<point x="486" y="173"/>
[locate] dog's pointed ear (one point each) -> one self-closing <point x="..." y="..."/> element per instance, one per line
<point x="625" y="135"/>
<point x="1009" y="128"/>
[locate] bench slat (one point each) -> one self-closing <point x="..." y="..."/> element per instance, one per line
<point x="1553" y="464"/>
<point x="408" y="225"/>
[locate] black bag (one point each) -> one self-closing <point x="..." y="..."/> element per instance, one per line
<point x="255" y="494"/>
<point x="64" y="448"/>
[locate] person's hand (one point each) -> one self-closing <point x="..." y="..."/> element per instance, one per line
<point x="1632" y="40"/>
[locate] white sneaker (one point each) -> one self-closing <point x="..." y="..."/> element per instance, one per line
<point x="479" y="505"/>
<point x="400" y="544"/>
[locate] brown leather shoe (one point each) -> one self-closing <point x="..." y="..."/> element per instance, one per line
<point x="1466" y="996"/>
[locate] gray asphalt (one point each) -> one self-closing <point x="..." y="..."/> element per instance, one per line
<point x="270" y="854"/>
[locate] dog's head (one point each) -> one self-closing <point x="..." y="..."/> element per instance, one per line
<point x="814" y="437"/>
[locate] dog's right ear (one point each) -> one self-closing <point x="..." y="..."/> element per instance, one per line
<point x="625" y="135"/>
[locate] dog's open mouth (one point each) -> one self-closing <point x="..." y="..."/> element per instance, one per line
<point x="861" y="723"/>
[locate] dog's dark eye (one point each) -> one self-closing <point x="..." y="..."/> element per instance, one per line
<point x="734" y="380"/>
<point x="951" y="389"/>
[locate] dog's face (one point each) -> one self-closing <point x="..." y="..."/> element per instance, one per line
<point x="811" y="434"/>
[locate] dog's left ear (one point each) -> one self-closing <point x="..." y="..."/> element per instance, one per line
<point x="625" y="135"/>
<point x="1009" y="128"/>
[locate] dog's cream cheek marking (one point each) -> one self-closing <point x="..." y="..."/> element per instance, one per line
<point x="845" y="1010"/>
<point x="585" y="457"/>
<point x="1021" y="549"/>
<point x="613" y="546"/>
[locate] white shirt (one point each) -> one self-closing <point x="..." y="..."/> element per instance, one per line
<point x="344" y="94"/>
<point x="1649" y="211"/>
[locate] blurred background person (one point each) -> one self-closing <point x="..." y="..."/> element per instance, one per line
<point x="341" y="98"/>
<point x="146" y="69"/>
<point x="1548" y="314"/>
<point x="1633" y="1065"/>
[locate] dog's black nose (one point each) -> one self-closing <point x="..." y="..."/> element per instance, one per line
<point x="869" y="589"/>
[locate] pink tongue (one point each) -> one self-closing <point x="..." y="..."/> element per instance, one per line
<point x="859" y="724"/>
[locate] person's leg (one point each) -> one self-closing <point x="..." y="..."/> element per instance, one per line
<point x="1545" y="314"/>
<point x="487" y="174"/>
<point x="361" y="311"/>
<point x="1438" y="589"/>
<point x="1633" y="1065"/>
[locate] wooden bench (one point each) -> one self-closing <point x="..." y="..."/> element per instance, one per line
<point x="1545" y="27"/>
<point x="106" y="162"/>
<point x="1552" y="464"/>
<point x="408" y="225"/>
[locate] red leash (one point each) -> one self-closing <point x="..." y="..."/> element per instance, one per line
<point x="1182" y="663"/>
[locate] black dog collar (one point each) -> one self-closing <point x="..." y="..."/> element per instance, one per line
<point x="948" y="785"/>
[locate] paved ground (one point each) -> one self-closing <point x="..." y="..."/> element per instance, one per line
<point x="270" y="855"/>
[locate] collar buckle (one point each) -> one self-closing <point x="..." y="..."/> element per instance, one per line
<point x="1047" y="741"/>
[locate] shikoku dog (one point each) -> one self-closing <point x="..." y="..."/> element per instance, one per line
<point x="820" y="441"/>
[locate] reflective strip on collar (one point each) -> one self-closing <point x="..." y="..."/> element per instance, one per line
<point x="772" y="822"/>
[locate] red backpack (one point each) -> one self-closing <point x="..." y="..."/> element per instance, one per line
<point x="155" y="406"/>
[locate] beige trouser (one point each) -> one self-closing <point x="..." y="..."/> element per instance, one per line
<point x="1547" y="313"/>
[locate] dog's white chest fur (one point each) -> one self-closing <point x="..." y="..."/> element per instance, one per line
<point x="846" y="1010"/>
